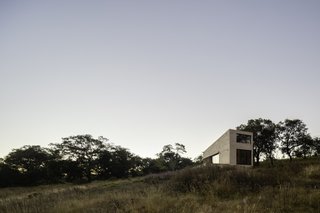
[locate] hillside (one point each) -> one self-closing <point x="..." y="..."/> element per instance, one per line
<point x="286" y="187"/>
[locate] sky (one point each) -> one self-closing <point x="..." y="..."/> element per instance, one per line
<point x="148" y="73"/>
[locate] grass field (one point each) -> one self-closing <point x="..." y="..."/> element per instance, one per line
<point x="287" y="187"/>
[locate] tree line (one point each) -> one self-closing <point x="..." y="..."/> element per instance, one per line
<point x="83" y="158"/>
<point x="290" y="137"/>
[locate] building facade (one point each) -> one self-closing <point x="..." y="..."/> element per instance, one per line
<point x="234" y="148"/>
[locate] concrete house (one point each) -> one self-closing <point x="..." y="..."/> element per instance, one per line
<point x="234" y="148"/>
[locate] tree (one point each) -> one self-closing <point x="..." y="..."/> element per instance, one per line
<point x="290" y="134"/>
<point x="83" y="150"/>
<point x="119" y="162"/>
<point x="150" y="165"/>
<point x="304" y="146"/>
<point x="31" y="162"/>
<point x="264" y="137"/>
<point x="136" y="166"/>
<point x="316" y="146"/>
<point x="122" y="161"/>
<point x="104" y="164"/>
<point x="9" y="176"/>
<point x="184" y="162"/>
<point x="198" y="160"/>
<point x="171" y="157"/>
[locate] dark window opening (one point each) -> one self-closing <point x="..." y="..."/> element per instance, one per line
<point x="241" y="138"/>
<point x="243" y="157"/>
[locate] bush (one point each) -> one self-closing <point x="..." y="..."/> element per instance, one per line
<point x="223" y="180"/>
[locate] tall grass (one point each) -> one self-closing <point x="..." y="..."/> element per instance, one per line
<point x="283" y="188"/>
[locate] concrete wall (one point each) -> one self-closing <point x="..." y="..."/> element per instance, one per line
<point x="227" y="147"/>
<point x="234" y="145"/>
<point x="221" y="146"/>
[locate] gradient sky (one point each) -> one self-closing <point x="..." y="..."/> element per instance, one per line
<point x="148" y="73"/>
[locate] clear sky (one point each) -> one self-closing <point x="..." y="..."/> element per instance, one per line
<point x="148" y="73"/>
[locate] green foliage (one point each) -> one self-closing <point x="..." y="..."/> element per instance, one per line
<point x="31" y="162"/>
<point x="9" y="176"/>
<point x="305" y="146"/>
<point x="264" y="137"/>
<point x="316" y="146"/>
<point x="118" y="162"/>
<point x="83" y="150"/>
<point x="198" y="160"/>
<point x="150" y="166"/>
<point x="282" y="188"/>
<point x="28" y="158"/>
<point x="123" y="162"/>
<point x="291" y="133"/>
<point x="170" y="157"/>
<point x="82" y="158"/>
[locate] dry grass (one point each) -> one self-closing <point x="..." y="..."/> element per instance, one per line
<point x="202" y="189"/>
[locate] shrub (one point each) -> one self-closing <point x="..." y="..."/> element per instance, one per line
<point x="223" y="180"/>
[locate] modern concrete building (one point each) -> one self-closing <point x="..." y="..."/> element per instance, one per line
<point x="234" y="148"/>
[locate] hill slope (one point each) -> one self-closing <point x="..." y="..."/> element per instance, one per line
<point x="287" y="187"/>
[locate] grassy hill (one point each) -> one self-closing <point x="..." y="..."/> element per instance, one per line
<point x="286" y="187"/>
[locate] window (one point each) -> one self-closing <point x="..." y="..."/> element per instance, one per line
<point x="243" y="157"/>
<point x="241" y="138"/>
<point x="215" y="159"/>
